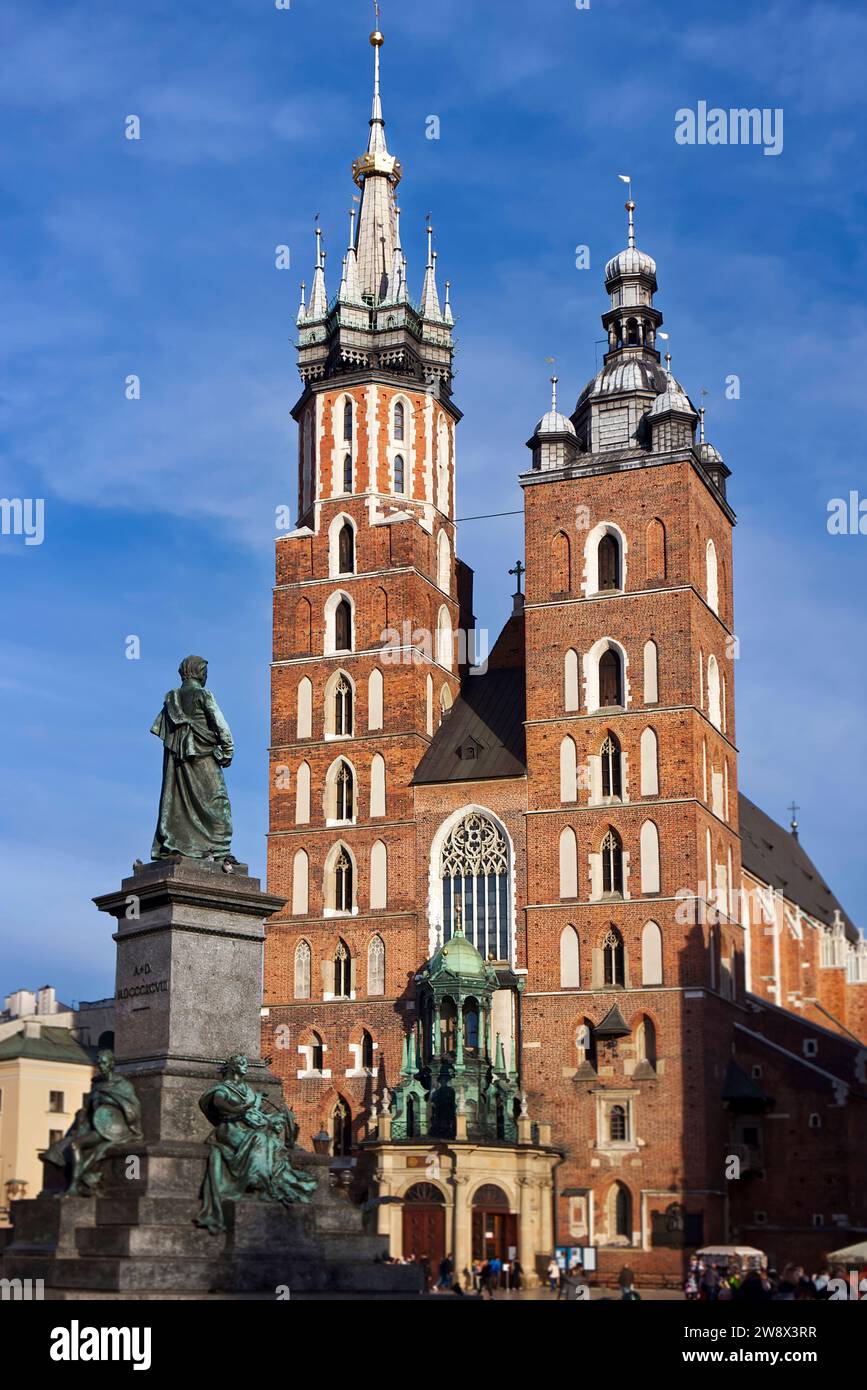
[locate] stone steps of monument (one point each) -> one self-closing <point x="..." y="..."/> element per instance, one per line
<point x="243" y="1274"/>
<point x="132" y="1240"/>
<point x="131" y="1211"/>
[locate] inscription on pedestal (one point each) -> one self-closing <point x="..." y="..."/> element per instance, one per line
<point x="143" y="987"/>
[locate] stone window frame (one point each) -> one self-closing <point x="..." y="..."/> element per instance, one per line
<point x="605" y="1101"/>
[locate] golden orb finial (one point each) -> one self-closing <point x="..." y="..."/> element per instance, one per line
<point x="377" y="38"/>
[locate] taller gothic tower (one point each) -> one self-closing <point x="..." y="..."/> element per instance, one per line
<point x="368" y="599"/>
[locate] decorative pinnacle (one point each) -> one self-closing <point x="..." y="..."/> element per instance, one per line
<point x="351" y="227"/>
<point x="458" y="917"/>
<point x="377" y="41"/>
<point x="430" y="246"/>
<point x="703" y="393"/>
<point x="554" y="381"/>
<point x="630" y="208"/>
<point x="318" y="247"/>
<point x="668" y="365"/>
<point x="793" y="823"/>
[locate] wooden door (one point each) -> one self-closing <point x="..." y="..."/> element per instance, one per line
<point x="424" y="1232"/>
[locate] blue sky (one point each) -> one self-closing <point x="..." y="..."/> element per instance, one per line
<point x="156" y="257"/>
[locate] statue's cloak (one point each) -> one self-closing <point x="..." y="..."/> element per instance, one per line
<point x="195" y="818"/>
<point x="248" y="1154"/>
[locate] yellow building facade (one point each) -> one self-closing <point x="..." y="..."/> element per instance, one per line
<point x="44" y="1076"/>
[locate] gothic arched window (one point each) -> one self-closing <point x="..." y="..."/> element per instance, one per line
<point x="343" y="882"/>
<point x="347" y="419"/>
<point x="399" y="474"/>
<point x="344" y="792"/>
<point x="612" y="957"/>
<point x="302" y="970"/>
<point x="611" y="780"/>
<point x="376" y="966"/>
<point x="609" y="563"/>
<point x="317" y="1053"/>
<point x="341" y="1130"/>
<point x="343" y="626"/>
<point x="645" y="1042"/>
<point x="612" y="863"/>
<point x="474" y="868"/>
<point x="342" y="706"/>
<point x="342" y="971"/>
<point x="346" y="549"/>
<point x="367" y="1051"/>
<point x="347" y="473"/>
<point x="610" y="679"/>
<point x="399" y="418"/>
<point x="620" y="1213"/>
<point x="585" y="1041"/>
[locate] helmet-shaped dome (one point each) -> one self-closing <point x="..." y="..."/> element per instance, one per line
<point x="708" y="454"/>
<point x="552" y="422"/>
<point x="673" y="398"/>
<point x="631" y="261"/>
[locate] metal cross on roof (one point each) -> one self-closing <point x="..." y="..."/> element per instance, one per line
<point x="518" y="571"/>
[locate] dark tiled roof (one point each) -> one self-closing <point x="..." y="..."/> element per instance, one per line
<point x="486" y="720"/>
<point x="776" y="857"/>
<point x="52" y="1045"/>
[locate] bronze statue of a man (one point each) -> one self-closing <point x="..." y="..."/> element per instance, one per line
<point x="248" y="1149"/>
<point x="195" y="818"/>
<point x="111" y="1114"/>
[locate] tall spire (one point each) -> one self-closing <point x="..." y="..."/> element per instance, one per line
<point x="377" y="174"/>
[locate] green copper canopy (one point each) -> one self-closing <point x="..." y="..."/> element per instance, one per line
<point x="459" y="957"/>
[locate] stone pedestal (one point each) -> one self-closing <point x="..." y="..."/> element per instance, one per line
<point x="188" y="985"/>
<point x="189" y="988"/>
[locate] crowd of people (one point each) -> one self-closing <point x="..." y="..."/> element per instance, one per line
<point x="482" y="1277"/>
<point x="709" y="1282"/>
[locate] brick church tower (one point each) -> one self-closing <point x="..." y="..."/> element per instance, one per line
<point x="368" y="593"/>
<point x="633" y="851"/>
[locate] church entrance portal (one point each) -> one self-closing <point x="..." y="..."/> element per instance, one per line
<point x="495" y="1228"/>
